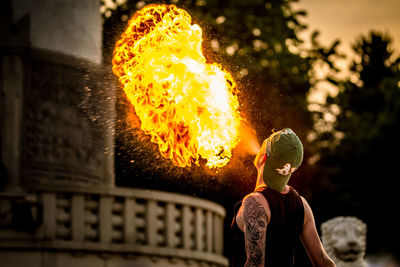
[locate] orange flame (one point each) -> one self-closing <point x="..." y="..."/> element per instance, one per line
<point x="189" y="107"/>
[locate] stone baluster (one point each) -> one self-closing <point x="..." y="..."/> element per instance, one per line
<point x="199" y="231"/>
<point x="63" y="217"/>
<point x="117" y="207"/>
<point x="160" y="224"/>
<point x="151" y="224"/>
<point x="105" y="219"/>
<point x="185" y="227"/>
<point x="91" y="219"/>
<point x="209" y="231"/>
<point x="117" y="220"/>
<point x="169" y="224"/>
<point x="49" y="215"/>
<point x="218" y="234"/>
<point x="129" y="221"/>
<point x="78" y="219"/>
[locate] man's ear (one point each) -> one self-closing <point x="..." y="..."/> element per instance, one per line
<point x="262" y="160"/>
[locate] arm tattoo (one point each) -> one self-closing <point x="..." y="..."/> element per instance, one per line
<point x="255" y="224"/>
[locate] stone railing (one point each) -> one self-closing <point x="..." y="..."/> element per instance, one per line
<point x="130" y="222"/>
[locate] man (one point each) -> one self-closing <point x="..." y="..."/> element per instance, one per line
<point x="270" y="220"/>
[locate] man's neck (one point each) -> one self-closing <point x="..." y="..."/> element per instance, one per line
<point x="260" y="180"/>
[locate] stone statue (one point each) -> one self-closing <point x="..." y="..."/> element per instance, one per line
<point x="344" y="239"/>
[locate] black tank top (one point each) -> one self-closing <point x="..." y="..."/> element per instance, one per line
<point x="283" y="230"/>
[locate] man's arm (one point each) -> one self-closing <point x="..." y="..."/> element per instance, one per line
<point x="311" y="241"/>
<point x="255" y="227"/>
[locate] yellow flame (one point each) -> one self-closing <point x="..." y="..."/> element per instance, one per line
<point x="187" y="106"/>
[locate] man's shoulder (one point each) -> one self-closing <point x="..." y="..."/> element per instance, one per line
<point x="255" y="206"/>
<point x="253" y="195"/>
<point x="254" y="200"/>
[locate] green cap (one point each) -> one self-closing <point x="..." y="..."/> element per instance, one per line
<point x="284" y="155"/>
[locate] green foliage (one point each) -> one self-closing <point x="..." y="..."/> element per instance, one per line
<point x="364" y="104"/>
<point x="357" y="172"/>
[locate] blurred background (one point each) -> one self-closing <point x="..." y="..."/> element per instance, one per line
<point x="330" y="70"/>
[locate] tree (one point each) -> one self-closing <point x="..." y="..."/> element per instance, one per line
<point x="356" y="169"/>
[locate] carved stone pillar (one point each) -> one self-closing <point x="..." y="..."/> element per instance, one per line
<point x="57" y="104"/>
<point x="66" y="132"/>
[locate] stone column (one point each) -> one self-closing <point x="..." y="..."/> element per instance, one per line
<point x="57" y="103"/>
<point x="14" y="38"/>
<point x="11" y="110"/>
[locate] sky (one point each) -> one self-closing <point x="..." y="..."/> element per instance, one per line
<point x="348" y="19"/>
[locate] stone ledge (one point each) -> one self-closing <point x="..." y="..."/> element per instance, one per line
<point x="128" y="250"/>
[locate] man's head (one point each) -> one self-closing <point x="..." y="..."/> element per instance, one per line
<point x="281" y="154"/>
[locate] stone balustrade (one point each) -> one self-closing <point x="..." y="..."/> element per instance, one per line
<point x="129" y="222"/>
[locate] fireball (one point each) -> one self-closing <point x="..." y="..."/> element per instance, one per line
<point x="188" y="106"/>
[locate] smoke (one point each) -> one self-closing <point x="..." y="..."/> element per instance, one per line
<point x="248" y="144"/>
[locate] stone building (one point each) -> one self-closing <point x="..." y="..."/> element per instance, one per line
<point x="59" y="205"/>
